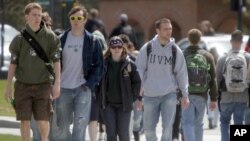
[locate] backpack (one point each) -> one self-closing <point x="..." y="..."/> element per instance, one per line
<point x="235" y="72"/>
<point x="198" y="71"/>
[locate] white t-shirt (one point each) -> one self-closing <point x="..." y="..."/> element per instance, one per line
<point x="72" y="70"/>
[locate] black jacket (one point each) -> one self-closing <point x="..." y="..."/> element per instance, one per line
<point x="130" y="84"/>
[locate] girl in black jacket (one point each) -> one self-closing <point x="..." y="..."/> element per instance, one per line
<point x="120" y="86"/>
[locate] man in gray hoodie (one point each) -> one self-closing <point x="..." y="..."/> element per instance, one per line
<point x="161" y="80"/>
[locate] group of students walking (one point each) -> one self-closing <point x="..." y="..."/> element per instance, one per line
<point x="153" y="77"/>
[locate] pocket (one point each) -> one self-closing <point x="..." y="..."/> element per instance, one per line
<point x="85" y="88"/>
<point x="50" y="105"/>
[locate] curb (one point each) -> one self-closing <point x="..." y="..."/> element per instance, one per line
<point x="9" y="122"/>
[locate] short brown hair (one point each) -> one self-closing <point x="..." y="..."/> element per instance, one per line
<point x="194" y="36"/>
<point x="31" y="6"/>
<point x="237" y="35"/>
<point x="124" y="38"/>
<point x="78" y="8"/>
<point x="160" y="21"/>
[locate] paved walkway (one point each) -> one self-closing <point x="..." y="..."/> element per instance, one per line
<point x="8" y="125"/>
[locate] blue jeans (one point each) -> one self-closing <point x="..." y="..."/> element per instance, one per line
<point x="35" y="130"/>
<point x="153" y="107"/>
<point x="247" y="116"/>
<point x="74" y="103"/>
<point x="117" y="123"/>
<point x="192" y="118"/>
<point x="236" y="109"/>
<point x="137" y="117"/>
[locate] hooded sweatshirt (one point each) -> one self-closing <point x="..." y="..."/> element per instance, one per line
<point x="156" y="70"/>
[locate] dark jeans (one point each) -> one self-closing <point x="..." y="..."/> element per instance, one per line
<point x="177" y="120"/>
<point x="117" y="123"/>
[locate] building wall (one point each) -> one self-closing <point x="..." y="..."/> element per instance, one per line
<point x="184" y="14"/>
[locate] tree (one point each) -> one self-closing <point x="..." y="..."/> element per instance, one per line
<point x="13" y="12"/>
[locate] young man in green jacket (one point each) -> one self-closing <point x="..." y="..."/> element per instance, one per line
<point x="33" y="89"/>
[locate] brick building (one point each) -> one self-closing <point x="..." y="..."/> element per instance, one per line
<point x="184" y="14"/>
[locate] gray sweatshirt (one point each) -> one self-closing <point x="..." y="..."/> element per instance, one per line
<point x="158" y="79"/>
<point x="228" y="97"/>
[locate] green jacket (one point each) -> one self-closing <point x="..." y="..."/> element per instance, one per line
<point x="30" y="68"/>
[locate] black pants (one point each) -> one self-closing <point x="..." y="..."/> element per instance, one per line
<point x="177" y="120"/>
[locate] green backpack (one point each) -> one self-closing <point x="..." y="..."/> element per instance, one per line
<point x="198" y="71"/>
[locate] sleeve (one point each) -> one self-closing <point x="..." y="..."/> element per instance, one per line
<point x="135" y="81"/>
<point x="181" y="72"/>
<point x="97" y="68"/>
<point x="14" y="49"/>
<point x="212" y="84"/>
<point x="219" y="71"/>
<point x="55" y="54"/>
<point x="141" y="63"/>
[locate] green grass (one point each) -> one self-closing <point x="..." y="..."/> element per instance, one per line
<point x="5" y="137"/>
<point x="5" y="107"/>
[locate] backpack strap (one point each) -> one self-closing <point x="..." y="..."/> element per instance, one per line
<point x="39" y="51"/>
<point x="149" y="50"/>
<point x="174" y="50"/>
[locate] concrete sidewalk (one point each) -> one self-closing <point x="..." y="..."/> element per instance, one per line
<point x="9" y="125"/>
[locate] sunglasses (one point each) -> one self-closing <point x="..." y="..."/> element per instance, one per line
<point x="114" y="47"/>
<point x="79" y="18"/>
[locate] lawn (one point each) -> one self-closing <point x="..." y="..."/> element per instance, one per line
<point x="5" y="107"/>
<point x="5" y="137"/>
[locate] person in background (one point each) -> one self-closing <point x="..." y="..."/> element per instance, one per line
<point x="213" y="116"/>
<point x="132" y="52"/>
<point x="95" y="114"/>
<point x="125" y="28"/>
<point x="119" y="87"/>
<point x="177" y="120"/>
<point x="94" y="22"/>
<point x="207" y="28"/>
<point x="33" y="84"/>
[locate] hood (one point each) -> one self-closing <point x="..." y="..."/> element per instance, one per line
<point x="157" y="42"/>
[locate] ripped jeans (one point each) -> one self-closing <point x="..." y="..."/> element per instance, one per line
<point x="73" y="106"/>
